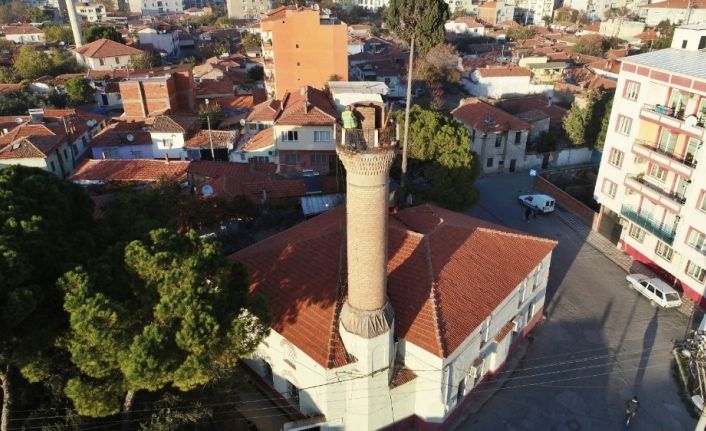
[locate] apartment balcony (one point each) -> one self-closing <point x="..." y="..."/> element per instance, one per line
<point x="651" y="225"/>
<point x="682" y="165"/>
<point x="666" y="116"/>
<point x="669" y="200"/>
<point x="267" y="43"/>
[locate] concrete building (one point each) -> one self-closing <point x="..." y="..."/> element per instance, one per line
<point x="465" y="25"/>
<point x="91" y="12"/>
<point x="676" y="11"/>
<point x="151" y="92"/>
<point x="249" y="9"/>
<point x="105" y="54"/>
<point x="652" y="178"/>
<point x="164" y="40"/>
<point x="500" y="82"/>
<point x="469" y="6"/>
<point x="499" y="139"/>
<point x="496" y="12"/>
<point x="301" y="47"/>
<point x="382" y="319"/>
<point x="169" y="134"/>
<point x="621" y="28"/>
<point x="157" y="7"/>
<point x="23" y="34"/>
<point x="372" y="4"/>
<point x="532" y="11"/>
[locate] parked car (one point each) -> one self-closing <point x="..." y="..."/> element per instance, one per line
<point x="540" y="203"/>
<point x="654" y="289"/>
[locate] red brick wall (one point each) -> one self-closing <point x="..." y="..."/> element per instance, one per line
<point x="565" y="200"/>
<point x="158" y="96"/>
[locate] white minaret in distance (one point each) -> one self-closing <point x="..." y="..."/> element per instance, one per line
<point x="73" y="19"/>
<point x="367" y="319"/>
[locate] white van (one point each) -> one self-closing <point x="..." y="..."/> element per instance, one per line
<point x="540" y="203"/>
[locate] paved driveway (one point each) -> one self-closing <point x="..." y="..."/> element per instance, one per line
<point x="600" y="344"/>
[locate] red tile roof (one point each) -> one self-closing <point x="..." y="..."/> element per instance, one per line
<point x="470" y="21"/>
<point x="22" y="29"/>
<point x="175" y="124"/>
<point x="439" y="281"/>
<point x="486" y="118"/>
<point x="261" y="140"/>
<point x="307" y="107"/>
<point x="102" y="48"/>
<point x="265" y="112"/>
<point x="122" y="133"/>
<point x="220" y="139"/>
<point x="138" y="170"/>
<point x="500" y="72"/>
<point x="236" y="102"/>
<point x="208" y="87"/>
<point x="32" y="147"/>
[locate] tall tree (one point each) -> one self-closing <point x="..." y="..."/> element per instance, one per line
<point x="421" y="24"/>
<point x="170" y="310"/>
<point x="58" y="33"/>
<point x="78" y="90"/>
<point x="31" y="63"/>
<point x="95" y="32"/>
<point x="145" y="61"/>
<point x="47" y="229"/>
<point x="440" y="152"/>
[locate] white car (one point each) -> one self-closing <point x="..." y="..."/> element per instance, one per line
<point x="654" y="289"/>
<point x="540" y="203"/>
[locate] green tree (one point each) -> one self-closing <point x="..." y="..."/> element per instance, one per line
<point x="145" y="61"/>
<point x="520" y="33"/>
<point x="35" y="14"/>
<point x="78" y="90"/>
<point x="592" y="44"/>
<point x="213" y="113"/>
<point x="95" y="32"/>
<point x="251" y="41"/>
<point x="31" y="63"/>
<point x="63" y="62"/>
<point x="582" y="123"/>
<point x="459" y="13"/>
<point x="256" y="73"/>
<point x="8" y="76"/>
<point x="605" y="120"/>
<point x="225" y="22"/>
<point x="167" y="311"/>
<point x="47" y="228"/>
<point x="55" y="33"/>
<point x="421" y="24"/>
<point x="440" y="152"/>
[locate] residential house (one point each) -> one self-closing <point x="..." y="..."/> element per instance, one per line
<point x="504" y="81"/>
<point x="99" y="172"/>
<point x="683" y="12"/>
<point x="23" y="34"/>
<point x="169" y="135"/>
<point x="91" y="12"/>
<point x="499" y="139"/>
<point x="165" y="41"/>
<point x="123" y="140"/>
<point x="547" y="72"/>
<point x="210" y="144"/>
<point x="157" y="7"/>
<point x="349" y="93"/>
<point x="652" y="179"/>
<point x="105" y="54"/>
<point x="52" y="139"/>
<point x="465" y="25"/>
<point x="300" y="46"/>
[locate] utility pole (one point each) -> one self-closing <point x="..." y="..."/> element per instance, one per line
<point x="697" y="349"/>
<point x="210" y="139"/>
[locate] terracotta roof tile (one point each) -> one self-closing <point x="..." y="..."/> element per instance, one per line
<point x="31" y="147"/>
<point x="261" y="140"/>
<point x="496" y="72"/>
<point x="102" y="48"/>
<point x="220" y="139"/>
<point x="439" y="281"/>
<point x="486" y="117"/>
<point x="175" y="124"/>
<point x="22" y="29"/>
<point x="308" y="107"/>
<point x="139" y="170"/>
<point x="266" y="111"/>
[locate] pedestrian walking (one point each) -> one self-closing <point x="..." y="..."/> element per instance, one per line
<point x="528" y="213"/>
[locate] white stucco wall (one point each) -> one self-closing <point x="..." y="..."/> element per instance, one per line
<point x="26" y="38"/>
<point x="305" y="138"/>
<point x="123" y="152"/>
<point x="109" y="63"/>
<point x="504" y="86"/>
<point x="174" y="151"/>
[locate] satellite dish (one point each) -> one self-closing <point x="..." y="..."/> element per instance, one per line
<point x="691" y="120"/>
<point x="16" y="145"/>
<point x="19" y="120"/>
<point x="242" y="121"/>
<point x="207" y="190"/>
<point x="130" y="137"/>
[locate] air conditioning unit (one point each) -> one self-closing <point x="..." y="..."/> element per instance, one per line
<point x="639" y="160"/>
<point x="516" y="324"/>
<point x="472" y="371"/>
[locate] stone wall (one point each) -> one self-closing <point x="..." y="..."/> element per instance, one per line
<point x="565" y="200"/>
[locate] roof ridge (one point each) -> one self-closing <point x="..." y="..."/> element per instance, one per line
<point x="516" y="235"/>
<point x="439" y="330"/>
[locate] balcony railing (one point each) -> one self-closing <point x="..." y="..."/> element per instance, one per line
<point x="687" y="159"/>
<point x="365" y="139"/>
<point x="680" y="199"/>
<point x="653" y="226"/>
<point x="666" y="111"/>
<point x="678" y="119"/>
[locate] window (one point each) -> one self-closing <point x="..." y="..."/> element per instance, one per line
<point x="695" y="271"/>
<point x="664" y="251"/>
<point x="683" y="44"/>
<point x="53" y="166"/>
<point x="702" y="42"/>
<point x="489" y="162"/>
<point x="293" y="394"/>
<point x="259" y="159"/>
<point x="293" y="158"/>
<point x="461" y="391"/>
<point x="518" y="136"/>
<point x="322" y="136"/>
<point x="291" y="135"/>
<point x="657" y="172"/>
<point x="697" y="240"/>
<point x="486" y="330"/>
<point x="318" y="159"/>
<point x="242" y="156"/>
<point x="616" y="158"/>
<point x="610" y="188"/>
<point x="632" y="89"/>
<point x="167" y="143"/>
<point x="702" y="207"/>
<point x="636" y="233"/>
<point x="521" y="296"/>
<point x="111" y="153"/>
<point x="624" y="124"/>
<point x="498" y="140"/>
<point x="101" y="62"/>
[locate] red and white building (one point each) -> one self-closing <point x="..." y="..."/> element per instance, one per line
<point x="652" y="178"/>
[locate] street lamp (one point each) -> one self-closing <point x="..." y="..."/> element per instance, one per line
<point x="210" y="139"/>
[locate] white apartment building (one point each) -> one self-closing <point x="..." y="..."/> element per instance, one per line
<point x="652" y="177"/>
<point x="91" y="12"/>
<point x="248" y="9"/>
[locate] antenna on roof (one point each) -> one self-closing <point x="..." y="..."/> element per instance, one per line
<point x="130" y="137"/>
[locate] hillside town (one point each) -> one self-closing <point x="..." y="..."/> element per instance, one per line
<point x="352" y="215"/>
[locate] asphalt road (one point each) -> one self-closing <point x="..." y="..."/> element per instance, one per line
<point x="601" y="343"/>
